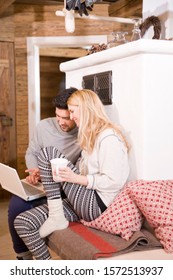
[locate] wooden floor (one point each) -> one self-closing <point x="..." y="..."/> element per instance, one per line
<point x="6" y="246"/>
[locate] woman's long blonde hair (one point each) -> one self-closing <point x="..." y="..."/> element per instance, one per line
<point x="93" y="118"/>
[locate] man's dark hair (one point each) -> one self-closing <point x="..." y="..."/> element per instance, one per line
<point x="60" y="101"/>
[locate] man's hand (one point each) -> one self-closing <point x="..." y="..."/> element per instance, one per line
<point x="34" y="176"/>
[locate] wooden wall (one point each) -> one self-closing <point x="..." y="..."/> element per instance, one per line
<point x="21" y="21"/>
<point x="126" y="8"/>
<point x="16" y="24"/>
<point x="52" y="81"/>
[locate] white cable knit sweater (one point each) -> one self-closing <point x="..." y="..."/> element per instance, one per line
<point x="107" y="167"/>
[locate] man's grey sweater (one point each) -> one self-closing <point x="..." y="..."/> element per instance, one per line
<point x="48" y="133"/>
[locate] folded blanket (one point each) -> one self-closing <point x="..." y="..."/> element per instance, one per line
<point x="79" y="242"/>
<point x="118" y="229"/>
<point x="139" y="200"/>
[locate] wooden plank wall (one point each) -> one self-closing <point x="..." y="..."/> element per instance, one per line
<point x="20" y="21"/>
<point x="52" y="81"/>
<point x="7" y="25"/>
<point x="126" y="8"/>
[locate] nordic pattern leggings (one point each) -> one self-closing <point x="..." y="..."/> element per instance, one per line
<point x="80" y="203"/>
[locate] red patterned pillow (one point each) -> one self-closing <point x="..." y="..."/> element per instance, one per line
<point x="122" y="217"/>
<point x="155" y="200"/>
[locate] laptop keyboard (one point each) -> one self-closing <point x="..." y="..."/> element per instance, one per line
<point x="30" y="190"/>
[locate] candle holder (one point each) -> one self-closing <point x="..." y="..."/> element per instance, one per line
<point x="119" y="39"/>
<point x="136" y="32"/>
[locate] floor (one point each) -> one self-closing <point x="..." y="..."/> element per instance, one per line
<point x="6" y="246"/>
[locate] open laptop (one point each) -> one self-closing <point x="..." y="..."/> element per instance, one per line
<point x="10" y="181"/>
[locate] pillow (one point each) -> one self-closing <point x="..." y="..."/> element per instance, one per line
<point x="155" y="200"/>
<point x="122" y="217"/>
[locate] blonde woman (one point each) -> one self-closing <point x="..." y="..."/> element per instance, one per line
<point x="103" y="171"/>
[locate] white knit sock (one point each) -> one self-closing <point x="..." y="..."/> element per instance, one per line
<point x="56" y="219"/>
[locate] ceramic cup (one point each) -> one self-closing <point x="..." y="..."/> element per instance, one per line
<point x="56" y="163"/>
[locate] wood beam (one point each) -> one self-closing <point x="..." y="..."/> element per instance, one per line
<point x="63" y="52"/>
<point x="41" y="2"/>
<point x="4" y="4"/>
<point x="126" y="8"/>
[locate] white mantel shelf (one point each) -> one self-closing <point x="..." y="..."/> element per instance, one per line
<point x="143" y="46"/>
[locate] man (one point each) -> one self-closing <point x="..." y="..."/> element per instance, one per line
<point x="60" y="132"/>
<point x="46" y="135"/>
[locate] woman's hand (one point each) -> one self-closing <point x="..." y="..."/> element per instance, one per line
<point x="67" y="175"/>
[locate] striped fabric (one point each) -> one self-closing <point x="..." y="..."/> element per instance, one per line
<point x="83" y="200"/>
<point x="79" y="242"/>
<point x="27" y="225"/>
<point x="80" y="203"/>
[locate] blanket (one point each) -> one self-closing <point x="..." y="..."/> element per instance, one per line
<point x="119" y="228"/>
<point x="79" y="242"/>
<point x="139" y="200"/>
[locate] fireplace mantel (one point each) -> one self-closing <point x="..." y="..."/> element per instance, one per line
<point x="142" y="91"/>
<point x="143" y="46"/>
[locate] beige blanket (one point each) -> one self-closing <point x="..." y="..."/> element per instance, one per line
<point x="79" y="242"/>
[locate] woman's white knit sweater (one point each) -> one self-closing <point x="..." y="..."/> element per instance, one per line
<point x="107" y="167"/>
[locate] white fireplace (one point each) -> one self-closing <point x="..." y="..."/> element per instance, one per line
<point x="142" y="87"/>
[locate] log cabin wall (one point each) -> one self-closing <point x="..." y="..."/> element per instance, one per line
<point x="20" y="21"/>
<point x="52" y="81"/>
<point x="126" y="8"/>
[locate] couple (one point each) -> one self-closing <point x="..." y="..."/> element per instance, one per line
<point x="87" y="190"/>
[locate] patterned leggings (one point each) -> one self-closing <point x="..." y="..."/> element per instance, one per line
<point x="80" y="203"/>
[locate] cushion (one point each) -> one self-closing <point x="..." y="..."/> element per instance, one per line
<point x="122" y="217"/>
<point x="155" y="201"/>
<point x="138" y="199"/>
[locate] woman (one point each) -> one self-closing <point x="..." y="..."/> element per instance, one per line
<point x="103" y="170"/>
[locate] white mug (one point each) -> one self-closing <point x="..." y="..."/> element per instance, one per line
<point x="56" y="163"/>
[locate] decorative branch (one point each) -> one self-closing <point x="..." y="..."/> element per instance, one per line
<point x="151" y="21"/>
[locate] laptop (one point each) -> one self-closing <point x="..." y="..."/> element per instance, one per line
<point x="10" y="181"/>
